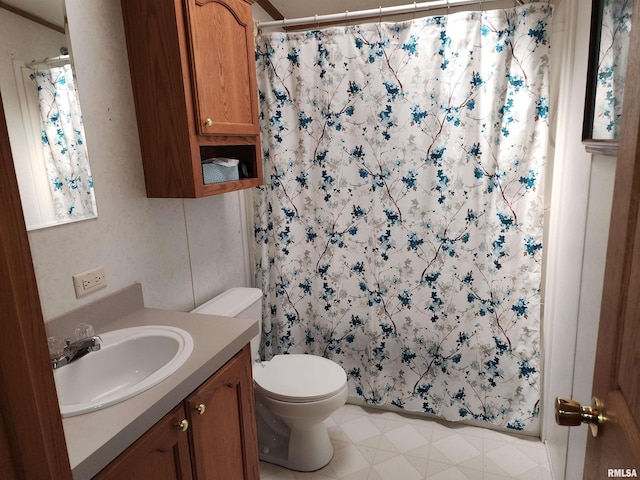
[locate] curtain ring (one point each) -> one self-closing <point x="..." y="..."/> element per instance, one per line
<point x="380" y="14"/>
<point x="449" y="7"/>
<point x="415" y="9"/>
<point x="315" y="19"/>
<point x="284" y="23"/>
<point x="346" y="17"/>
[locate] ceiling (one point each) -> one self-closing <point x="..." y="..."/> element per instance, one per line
<point x="53" y="10"/>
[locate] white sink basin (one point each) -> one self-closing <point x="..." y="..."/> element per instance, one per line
<point x="130" y="361"/>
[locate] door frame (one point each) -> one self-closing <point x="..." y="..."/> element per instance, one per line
<point x="571" y="301"/>
<point x="32" y="444"/>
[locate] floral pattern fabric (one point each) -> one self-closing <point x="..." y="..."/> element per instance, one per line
<point x="612" y="68"/>
<point x="399" y="229"/>
<point x="63" y="142"/>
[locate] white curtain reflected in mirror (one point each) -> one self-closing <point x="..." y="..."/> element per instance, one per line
<point x="62" y="140"/>
<point x="612" y="68"/>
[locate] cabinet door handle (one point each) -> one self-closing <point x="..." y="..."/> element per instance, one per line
<point x="208" y="122"/>
<point x="201" y="408"/>
<point x="183" y="425"/>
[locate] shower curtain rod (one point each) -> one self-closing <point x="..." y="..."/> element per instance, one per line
<point x="50" y="62"/>
<point x="372" y="13"/>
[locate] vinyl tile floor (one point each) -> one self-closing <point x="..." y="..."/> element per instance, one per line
<point x="373" y="444"/>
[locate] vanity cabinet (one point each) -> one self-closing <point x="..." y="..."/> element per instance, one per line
<point x="210" y="435"/>
<point x="162" y="453"/>
<point x="193" y="74"/>
<point x="222" y="423"/>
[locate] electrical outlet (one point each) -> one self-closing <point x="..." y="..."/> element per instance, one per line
<point x="89" y="281"/>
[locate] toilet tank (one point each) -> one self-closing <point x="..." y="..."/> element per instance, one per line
<point x="237" y="302"/>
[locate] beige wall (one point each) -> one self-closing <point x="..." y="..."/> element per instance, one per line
<point x="182" y="251"/>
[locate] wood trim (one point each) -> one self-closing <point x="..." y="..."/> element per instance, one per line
<point x="30" y="417"/>
<point x="7" y="469"/>
<point x="268" y="7"/>
<point x="31" y="16"/>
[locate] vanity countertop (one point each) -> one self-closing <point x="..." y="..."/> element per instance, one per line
<point x="95" y="439"/>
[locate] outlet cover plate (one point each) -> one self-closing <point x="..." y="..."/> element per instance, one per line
<point x="89" y="281"/>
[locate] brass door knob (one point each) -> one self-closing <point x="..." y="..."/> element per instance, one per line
<point x="208" y="122"/>
<point x="570" y="413"/>
<point x="201" y="408"/>
<point x="183" y="425"/>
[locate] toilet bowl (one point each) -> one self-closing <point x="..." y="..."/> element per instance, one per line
<point x="294" y="393"/>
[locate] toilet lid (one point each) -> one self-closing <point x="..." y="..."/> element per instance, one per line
<point x="299" y="378"/>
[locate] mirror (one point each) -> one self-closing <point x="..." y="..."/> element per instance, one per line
<point x="608" y="48"/>
<point x="43" y="114"/>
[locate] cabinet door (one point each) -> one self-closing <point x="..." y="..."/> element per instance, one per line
<point x="161" y="454"/>
<point x="223" y="66"/>
<point x="223" y="428"/>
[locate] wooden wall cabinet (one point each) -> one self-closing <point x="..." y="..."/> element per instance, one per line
<point x="219" y="443"/>
<point x="193" y="74"/>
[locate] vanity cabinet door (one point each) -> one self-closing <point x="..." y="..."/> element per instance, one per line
<point x="223" y="428"/>
<point x="160" y="454"/>
<point x="223" y="66"/>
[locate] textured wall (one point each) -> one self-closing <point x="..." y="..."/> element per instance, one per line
<point x="182" y="251"/>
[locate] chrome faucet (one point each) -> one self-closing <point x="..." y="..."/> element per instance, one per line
<point x="75" y="350"/>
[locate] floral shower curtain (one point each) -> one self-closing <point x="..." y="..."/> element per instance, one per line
<point x="399" y="230"/>
<point x="63" y="142"/>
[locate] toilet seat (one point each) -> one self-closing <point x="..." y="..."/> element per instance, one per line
<point x="299" y="378"/>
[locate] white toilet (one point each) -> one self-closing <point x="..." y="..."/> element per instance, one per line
<point x="294" y="393"/>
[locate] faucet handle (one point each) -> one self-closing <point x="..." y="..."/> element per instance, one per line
<point x="56" y="347"/>
<point x="96" y="343"/>
<point x="84" y="330"/>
